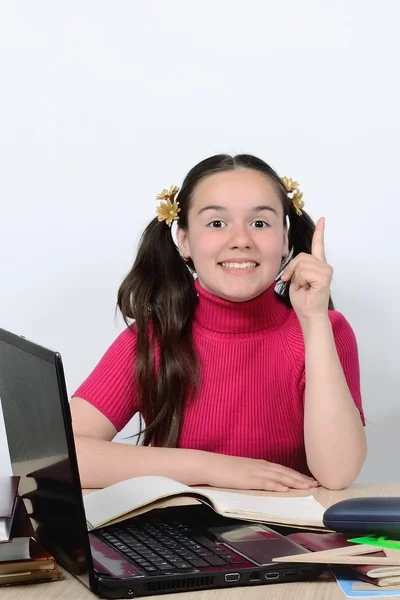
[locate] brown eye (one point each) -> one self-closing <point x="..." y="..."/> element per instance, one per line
<point x="216" y="224"/>
<point x="260" y="224"/>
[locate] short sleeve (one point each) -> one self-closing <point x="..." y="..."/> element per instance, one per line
<point x="346" y="346"/>
<point x="110" y="386"/>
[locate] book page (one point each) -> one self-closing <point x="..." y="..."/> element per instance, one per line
<point x="300" y="511"/>
<point x="126" y="496"/>
<point x="384" y="572"/>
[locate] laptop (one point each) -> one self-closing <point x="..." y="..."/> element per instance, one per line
<point x="180" y="548"/>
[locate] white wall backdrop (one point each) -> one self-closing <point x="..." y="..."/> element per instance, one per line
<point x="102" y="104"/>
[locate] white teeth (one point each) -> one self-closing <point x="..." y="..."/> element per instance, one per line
<point x="236" y="265"/>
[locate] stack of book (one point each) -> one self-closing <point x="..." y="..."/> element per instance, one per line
<point x="22" y="558"/>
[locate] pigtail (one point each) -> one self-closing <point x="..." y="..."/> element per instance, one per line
<point x="159" y="294"/>
<point x="301" y="231"/>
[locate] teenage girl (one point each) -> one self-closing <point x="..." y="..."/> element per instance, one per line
<point x="245" y="375"/>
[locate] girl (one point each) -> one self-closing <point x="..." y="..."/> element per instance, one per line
<point x="240" y="385"/>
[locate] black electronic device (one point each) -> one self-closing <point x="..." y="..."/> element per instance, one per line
<point x="369" y="515"/>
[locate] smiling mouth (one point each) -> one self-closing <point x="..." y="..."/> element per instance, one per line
<point x="239" y="265"/>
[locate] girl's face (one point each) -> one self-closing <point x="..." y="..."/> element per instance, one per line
<point x="235" y="236"/>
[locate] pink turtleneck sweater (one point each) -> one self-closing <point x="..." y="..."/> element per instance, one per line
<point x="251" y="397"/>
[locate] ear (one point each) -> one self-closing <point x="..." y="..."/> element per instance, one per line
<point x="285" y="248"/>
<point x="183" y="242"/>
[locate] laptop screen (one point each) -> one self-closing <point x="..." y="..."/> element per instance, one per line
<point x="39" y="435"/>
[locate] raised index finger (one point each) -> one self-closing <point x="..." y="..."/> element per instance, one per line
<point x="318" y="241"/>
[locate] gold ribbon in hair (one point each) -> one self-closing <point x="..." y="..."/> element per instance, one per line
<point x="296" y="199"/>
<point x="168" y="208"/>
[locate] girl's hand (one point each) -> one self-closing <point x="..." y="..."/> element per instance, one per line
<point x="253" y="474"/>
<point x="310" y="278"/>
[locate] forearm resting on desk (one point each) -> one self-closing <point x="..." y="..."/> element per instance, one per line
<point x="103" y="463"/>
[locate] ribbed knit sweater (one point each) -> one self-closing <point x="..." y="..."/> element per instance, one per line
<point x="251" y="397"/>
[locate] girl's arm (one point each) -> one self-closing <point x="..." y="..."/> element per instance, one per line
<point x="334" y="435"/>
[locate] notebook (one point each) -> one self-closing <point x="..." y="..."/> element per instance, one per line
<point x="135" y="496"/>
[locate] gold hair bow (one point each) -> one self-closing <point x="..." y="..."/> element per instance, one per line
<point x="168" y="208"/>
<point x="293" y="186"/>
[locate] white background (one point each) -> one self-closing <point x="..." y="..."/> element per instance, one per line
<point x="102" y="104"/>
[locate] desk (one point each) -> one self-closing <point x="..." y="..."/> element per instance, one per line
<point x="324" y="589"/>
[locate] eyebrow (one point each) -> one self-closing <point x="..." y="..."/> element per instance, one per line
<point x="254" y="209"/>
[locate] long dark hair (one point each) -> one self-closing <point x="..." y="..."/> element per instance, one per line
<point x="159" y="294"/>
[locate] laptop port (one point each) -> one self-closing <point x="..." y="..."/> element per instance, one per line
<point x="230" y="577"/>
<point x="272" y="575"/>
<point x="290" y="572"/>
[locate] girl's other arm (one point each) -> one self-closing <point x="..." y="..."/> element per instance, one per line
<point x="103" y="462"/>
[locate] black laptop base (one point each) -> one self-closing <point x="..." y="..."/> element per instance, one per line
<point x="171" y="545"/>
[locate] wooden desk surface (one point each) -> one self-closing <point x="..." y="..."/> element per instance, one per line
<point x="324" y="589"/>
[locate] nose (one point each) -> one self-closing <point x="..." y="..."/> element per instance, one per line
<point x="240" y="236"/>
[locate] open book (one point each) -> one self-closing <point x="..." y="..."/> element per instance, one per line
<point x="135" y="496"/>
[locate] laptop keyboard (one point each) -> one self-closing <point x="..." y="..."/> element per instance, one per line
<point x="164" y="547"/>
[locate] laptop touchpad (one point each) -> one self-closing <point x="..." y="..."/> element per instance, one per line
<point x="258" y="543"/>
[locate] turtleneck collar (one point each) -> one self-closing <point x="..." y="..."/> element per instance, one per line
<point x="263" y="313"/>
